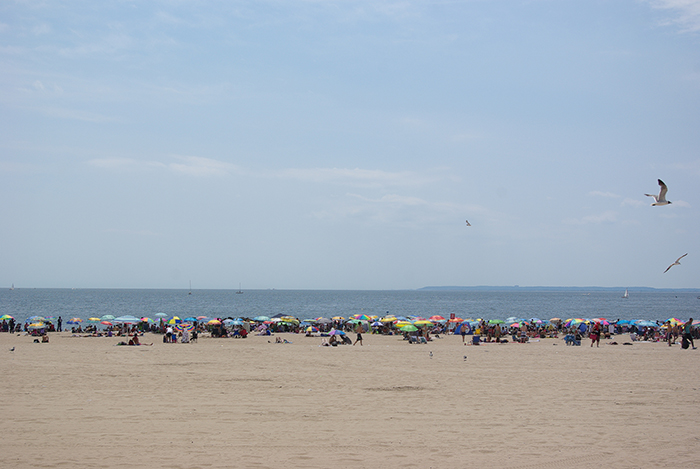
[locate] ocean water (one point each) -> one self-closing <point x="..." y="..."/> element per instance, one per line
<point x="23" y="303"/>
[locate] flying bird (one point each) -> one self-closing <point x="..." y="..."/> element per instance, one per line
<point x="677" y="261"/>
<point x="661" y="198"/>
<point x="468" y="224"/>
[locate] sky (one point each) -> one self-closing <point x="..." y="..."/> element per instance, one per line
<point x="343" y="144"/>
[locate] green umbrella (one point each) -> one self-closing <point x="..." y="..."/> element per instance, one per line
<point x="409" y="328"/>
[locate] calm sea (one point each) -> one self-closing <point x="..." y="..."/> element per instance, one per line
<point x="23" y="303"/>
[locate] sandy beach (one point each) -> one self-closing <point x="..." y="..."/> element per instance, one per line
<point x="83" y="402"/>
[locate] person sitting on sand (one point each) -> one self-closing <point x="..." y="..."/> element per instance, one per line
<point x="45" y="339"/>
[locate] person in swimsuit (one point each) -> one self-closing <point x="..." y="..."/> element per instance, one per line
<point x="595" y="334"/>
<point x="687" y="332"/>
<point x="359" y="335"/>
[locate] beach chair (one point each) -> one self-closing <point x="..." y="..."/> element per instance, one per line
<point x="412" y="339"/>
<point x="476" y="340"/>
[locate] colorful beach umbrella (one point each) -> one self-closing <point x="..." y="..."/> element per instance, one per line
<point x="408" y="328"/>
<point x="128" y="319"/>
<point x="214" y="322"/>
<point x="106" y="323"/>
<point x="423" y="322"/>
<point x="361" y="317"/>
<point x="5" y="317"/>
<point x="107" y="317"/>
<point x="312" y="329"/>
<point x="185" y="326"/>
<point x="436" y="318"/>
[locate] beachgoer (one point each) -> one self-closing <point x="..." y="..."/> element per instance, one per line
<point x="359" y="336"/>
<point x="135" y="340"/>
<point x="45" y="338"/>
<point x="60" y="324"/>
<point x="669" y="332"/>
<point x="688" y="332"/>
<point x="595" y="334"/>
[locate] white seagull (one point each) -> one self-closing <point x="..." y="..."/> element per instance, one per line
<point x="661" y="198"/>
<point x="677" y="261"/>
<point x="468" y="224"/>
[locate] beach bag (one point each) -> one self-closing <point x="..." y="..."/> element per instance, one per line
<point x="685" y="343"/>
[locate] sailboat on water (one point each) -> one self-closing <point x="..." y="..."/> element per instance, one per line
<point x="627" y="294"/>
<point x="190" y="288"/>
<point x="239" y="289"/>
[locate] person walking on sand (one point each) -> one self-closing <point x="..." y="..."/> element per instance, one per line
<point x="688" y="333"/>
<point x="595" y="334"/>
<point x="359" y="335"/>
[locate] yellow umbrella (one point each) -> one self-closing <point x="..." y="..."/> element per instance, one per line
<point x="338" y="318"/>
<point x="214" y="322"/>
<point x="388" y="319"/>
<point x="401" y="324"/>
<point x="423" y="323"/>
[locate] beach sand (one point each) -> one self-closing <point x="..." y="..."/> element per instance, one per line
<point x="86" y="403"/>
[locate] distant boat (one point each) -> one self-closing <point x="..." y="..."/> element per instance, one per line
<point x="627" y="294"/>
<point x="190" y="288"/>
<point x="12" y="287"/>
<point x="239" y="289"/>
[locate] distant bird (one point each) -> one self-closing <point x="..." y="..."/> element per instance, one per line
<point x="677" y="261"/>
<point x="12" y="349"/>
<point x="661" y="198"/>
<point x="468" y="224"/>
<point x="431" y="354"/>
<point x="465" y="358"/>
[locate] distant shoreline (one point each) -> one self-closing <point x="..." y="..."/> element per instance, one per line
<point x="475" y="288"/>
<point x="487" y="288"/>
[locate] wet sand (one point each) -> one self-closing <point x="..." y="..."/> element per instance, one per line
<point x="86" y="403"/>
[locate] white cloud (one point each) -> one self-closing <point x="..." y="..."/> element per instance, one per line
<point x="41" y="29"/>
<point x="132" y="232"/>
<point x="363" y="177"/>
<point x="686" y="13"/>
<point x="392" y="199"/>
<point x="75" y="114"/>
<point x="605" y="217"/>
<point x="603" y="194"/>
<point x="200" y="166"/>
<point x="632" y="202"/>
<point x="190" y="165"/>
<point x="124" y="164"/>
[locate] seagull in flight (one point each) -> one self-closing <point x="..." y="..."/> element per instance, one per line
<point x="661" y="198"/>
<point x="677" y="261"/>
<point x="468" y="224"/>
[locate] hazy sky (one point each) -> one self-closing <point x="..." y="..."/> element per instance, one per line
<point x="342" y="144"/>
